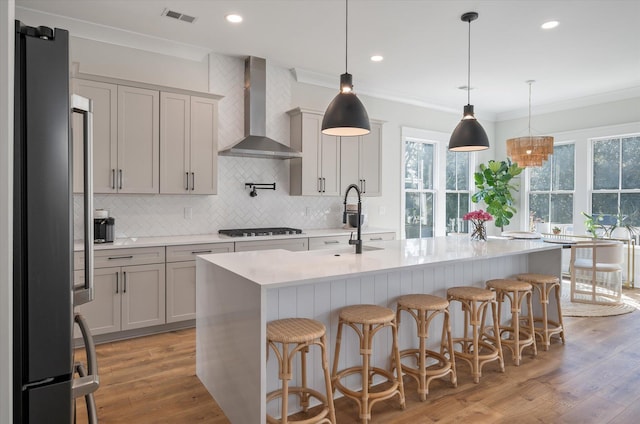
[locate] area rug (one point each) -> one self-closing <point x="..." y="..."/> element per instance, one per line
<point x="574" y="309"/>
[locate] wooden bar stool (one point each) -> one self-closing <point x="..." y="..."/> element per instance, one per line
<point x="371" y="319"/>
<point x="301" y="333"/>
<point x="430" y="364"/>
<point x="544" y="284"/>
<point x="517" y="338"/>
<point x="476" y="349"/>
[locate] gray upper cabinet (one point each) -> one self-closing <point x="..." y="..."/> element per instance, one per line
<point x="317" y="172"/>
<point x="125" y="138"/>
<point x="360" y="161"/>
<point x="188" y="144"/>
<point x="138" y="140"/>
<point x="105" y="136"/>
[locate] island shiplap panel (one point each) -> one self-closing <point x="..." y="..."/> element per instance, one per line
<point x="323" y="301"/>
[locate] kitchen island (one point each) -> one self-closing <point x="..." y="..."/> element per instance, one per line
<point x="238" y="293"/>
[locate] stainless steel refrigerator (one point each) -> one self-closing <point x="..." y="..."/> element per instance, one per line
<point x="43" y="370"/>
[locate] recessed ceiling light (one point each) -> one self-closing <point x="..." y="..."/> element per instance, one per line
<point x="233" y="18"/>
<point x="377" y="58"/>
<point x="549" y="24"/>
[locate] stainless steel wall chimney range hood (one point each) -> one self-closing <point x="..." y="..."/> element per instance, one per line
<point x="255" y="143"/>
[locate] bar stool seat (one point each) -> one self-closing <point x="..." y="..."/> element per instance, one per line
<point x="517" y="338"/>
<point x="544" y="284"/>
<point x="301" y="333"/>
<point x="476" y="349"/>
<point x="366" y="321"/>
<point x="430" y="364"/>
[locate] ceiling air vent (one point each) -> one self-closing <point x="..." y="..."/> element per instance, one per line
<point x="179" y="16"/>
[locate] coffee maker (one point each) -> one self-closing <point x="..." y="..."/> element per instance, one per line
<point x="103" y="227"/>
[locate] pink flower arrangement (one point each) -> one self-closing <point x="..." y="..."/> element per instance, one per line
<point x="478" y="216"/>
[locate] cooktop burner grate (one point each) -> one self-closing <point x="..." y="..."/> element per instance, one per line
<point x="251" y="232"/>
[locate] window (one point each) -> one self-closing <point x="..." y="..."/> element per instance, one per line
<point x="419" y="157"/>
<point x="551" y="187"/>
<point x="616" y="177"/>
<point x="457" y="191"/>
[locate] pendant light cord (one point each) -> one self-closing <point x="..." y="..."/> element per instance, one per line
<point x="530" y="82"/>
<point x="346" y="35"/>
<point x="469" y="66"/>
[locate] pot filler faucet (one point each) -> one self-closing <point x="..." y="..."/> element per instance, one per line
<point x="358" y="241"/>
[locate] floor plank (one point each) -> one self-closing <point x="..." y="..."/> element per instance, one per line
<point x="594" y="378"/>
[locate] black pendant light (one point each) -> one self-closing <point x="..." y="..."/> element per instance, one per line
<point x="346" y="116"/>
<point x="469" y="135"/>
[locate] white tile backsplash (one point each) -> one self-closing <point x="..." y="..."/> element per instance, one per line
<point x="164" y="215"/>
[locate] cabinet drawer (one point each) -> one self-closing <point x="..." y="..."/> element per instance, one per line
<point x="327" y="242"/>
<point x="190" y="251"/>
<point x="286" y="244"/>
<point x="379" y="236"/>
<point x="129" y="256"/>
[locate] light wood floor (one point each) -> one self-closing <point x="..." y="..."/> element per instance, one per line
<point x="594" y="378"/>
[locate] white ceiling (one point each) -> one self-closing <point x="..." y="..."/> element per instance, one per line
<point x="592" y="56"/>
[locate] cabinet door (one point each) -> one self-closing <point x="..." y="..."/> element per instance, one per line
<point x="204" y="146"/>
<point x="105" y="136"/>
<point x="311" y="157"/>
<point x="138" y="140"/>
<point x="175" y="133"/>
<point x="330" y="165"/>
<point x="349" y="163"/>
<point x="103" y="313"/>
<point x="181" y="291"/>
<point x="370" y="164"/>
<point x="143" y="296"/>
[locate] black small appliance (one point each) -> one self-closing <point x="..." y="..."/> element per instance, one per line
<point x="103" y="229"/>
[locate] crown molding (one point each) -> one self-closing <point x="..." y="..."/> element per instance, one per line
<point x="110" y="35"/>
<point x="579" y="102"/>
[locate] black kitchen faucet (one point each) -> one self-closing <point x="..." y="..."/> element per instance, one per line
<point x="358" y="241"/>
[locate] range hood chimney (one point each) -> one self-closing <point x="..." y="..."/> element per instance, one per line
<point x="255" y="143"/>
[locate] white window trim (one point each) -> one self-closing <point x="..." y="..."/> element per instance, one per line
<point x="441" y="141"/>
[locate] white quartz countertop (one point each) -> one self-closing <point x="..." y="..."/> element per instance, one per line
<point x="216" y="238"/>
<point x="282" y="267"/>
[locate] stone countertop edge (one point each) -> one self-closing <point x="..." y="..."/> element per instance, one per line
<point x="266" y="267"/>
<point x="155" y="241"/>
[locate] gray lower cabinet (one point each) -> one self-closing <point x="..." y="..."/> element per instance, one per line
<point x="181" y="278"/>
<point x="126" y="297"/>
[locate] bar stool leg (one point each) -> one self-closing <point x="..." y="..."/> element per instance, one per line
<point x="448" y="347"/>
<point x="396" y="352"/>
<point x="557" y="286"/>
<point x="365" y="351"/>
<point x="532" y="328"/>
<point x="496" y="328"/>
<point x="304" y="396"/>
<point x="327" y="379"/>
<point x="285" y="376"/>
<point x="336" y="355"/>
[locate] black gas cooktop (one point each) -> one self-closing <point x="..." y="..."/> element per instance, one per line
<point x="251" y="232"/>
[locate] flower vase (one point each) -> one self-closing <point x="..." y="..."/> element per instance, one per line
<point x="479" y="231"/>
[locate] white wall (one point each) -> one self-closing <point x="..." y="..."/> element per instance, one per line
<point x="7" y="8"/>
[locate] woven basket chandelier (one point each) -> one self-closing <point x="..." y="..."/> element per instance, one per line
<point x="532" y="150"/>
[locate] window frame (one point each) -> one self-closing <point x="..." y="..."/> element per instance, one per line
<point x="441" y="141"/>
<point x="619" y="191"/>
<point x="551" y="191"/>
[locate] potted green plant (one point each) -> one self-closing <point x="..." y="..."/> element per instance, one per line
<point x="495" y="189"/>
<point x="606" y="223"/>
<point x="556" y="230"/>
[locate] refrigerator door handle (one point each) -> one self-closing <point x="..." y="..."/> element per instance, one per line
<point x="84" y="106"/>
<point x="90" y="382"/>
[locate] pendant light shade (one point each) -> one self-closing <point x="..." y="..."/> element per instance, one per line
<point x="346" y="116"/>
<point x="468" y="136"/>
<point x="532" y="150"/>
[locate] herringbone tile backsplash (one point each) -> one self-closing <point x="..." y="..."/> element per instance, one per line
<point x="162" y="215"/>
